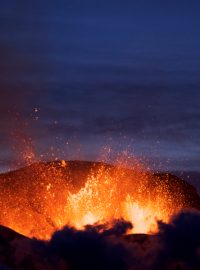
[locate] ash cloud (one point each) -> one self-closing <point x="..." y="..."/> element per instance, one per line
<point x="180" y="242"/>
<point x="91" y="249"/>
<point x="175" y="247"/>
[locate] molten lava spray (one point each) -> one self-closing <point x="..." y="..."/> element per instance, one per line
<point x="44" y="197"/>
<point x="109" y="195"/>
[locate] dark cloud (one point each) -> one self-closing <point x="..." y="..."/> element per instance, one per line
<point x="90" y="249"/>
<point x="94" y="248"/>
<point x="180" y="242"/>
<point x="175" y="247"/>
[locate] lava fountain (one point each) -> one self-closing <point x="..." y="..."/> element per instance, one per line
<point x="109" y="195"/>
<point x="43" y="197"/>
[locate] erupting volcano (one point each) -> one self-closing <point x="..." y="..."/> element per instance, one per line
<point x="42" y="198"/>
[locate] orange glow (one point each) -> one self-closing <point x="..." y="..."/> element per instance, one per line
<point x="54" y="200"/>
<point x="107" y="196"/>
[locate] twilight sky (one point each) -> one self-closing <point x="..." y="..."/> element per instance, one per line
<point x="77" y="76"/>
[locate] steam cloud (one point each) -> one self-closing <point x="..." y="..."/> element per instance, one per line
<point x="175" y="247"/>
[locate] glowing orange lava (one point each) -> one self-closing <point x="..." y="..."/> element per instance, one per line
<point x="52" y="196"/>
<point x="108" y="196"/>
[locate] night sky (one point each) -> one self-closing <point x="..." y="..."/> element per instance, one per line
<point x="76" y="76"/>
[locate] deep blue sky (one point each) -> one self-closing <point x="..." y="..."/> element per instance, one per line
<point x="124" y="73"/>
